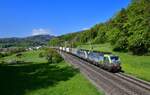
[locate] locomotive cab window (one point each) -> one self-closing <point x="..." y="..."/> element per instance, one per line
<point x="106" y="60"/>
<point x="114" y="58"/>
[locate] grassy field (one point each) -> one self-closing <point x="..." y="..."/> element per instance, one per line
<point x="31" y="56"/>
<point x="139" y="66"/>
<point x="36" y="77"/>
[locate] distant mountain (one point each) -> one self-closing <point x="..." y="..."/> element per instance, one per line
<point x="25" y="42"/>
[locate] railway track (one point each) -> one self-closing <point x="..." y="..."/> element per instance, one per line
<point x="141" y="83"/>
<point x="111" y="83"/>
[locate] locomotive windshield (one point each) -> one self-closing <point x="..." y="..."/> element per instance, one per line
<point x="114" y="58"/>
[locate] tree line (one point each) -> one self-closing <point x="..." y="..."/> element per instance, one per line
<point x="127" y="31"/>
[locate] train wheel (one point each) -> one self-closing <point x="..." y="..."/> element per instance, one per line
<point x="109" y="69"/>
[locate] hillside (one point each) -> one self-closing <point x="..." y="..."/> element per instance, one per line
<point x="127" y="31"/>
<point x="25" y="42"/>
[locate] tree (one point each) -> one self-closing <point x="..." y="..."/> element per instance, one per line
<point x="52" y="56"/>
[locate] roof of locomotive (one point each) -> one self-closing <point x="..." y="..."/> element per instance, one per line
<point x="96" y="51"/>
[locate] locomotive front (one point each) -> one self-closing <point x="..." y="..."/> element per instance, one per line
<point x="113" y="62"/>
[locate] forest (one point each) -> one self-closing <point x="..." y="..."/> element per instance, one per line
<point x="127" y="31"/>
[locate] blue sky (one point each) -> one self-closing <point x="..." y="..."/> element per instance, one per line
<point x="21" y="18"/>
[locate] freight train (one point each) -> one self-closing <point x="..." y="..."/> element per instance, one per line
<point x="104" y="60"/>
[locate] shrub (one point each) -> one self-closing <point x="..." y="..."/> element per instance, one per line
<point x="41" y="54"/>
<point x="19" y="55"/>
<point x="138" y="45"/>
<point x="1" y="55"/>
<point x="121" y="44"/>
<point x="4" y="54"/>
<point x="101" y="38"/>
<point x="114" y="35"/>
<point x="52" y="56"/>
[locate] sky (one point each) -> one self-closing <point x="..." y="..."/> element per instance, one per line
<point x="21" y="18"/>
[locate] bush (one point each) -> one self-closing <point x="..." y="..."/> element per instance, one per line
<point x="4" y="54"/>
<point x="41" y="54"/>
<point x="2" y="62"/>
<point x="113" y="35"/>
<point x="121" y="44"/>
<point x="138" y="45"/>
<point x="19" y="55"/>
<point x="52" y="56"/>
<point x="101" y="38"/>
<point x="1" y="55"/>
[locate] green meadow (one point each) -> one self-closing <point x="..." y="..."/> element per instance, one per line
<point x="138" y="66"/>
<point x="34" y="76"/>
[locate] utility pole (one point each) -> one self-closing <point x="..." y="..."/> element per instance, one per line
<point x="65" y="43"/>
<point x="91" y="46"/>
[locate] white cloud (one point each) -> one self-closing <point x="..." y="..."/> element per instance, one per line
<point x="40" y="31"/>
<point x="84" y="28"/>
